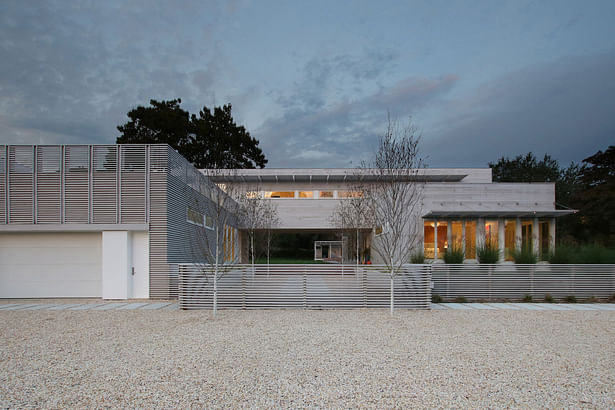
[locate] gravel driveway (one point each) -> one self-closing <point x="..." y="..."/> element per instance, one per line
<point x="358" y="358"/>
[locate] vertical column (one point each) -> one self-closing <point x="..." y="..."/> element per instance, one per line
<point x="116" y="264"/>
<point x="501" y="239"/>
<point x="435" y="240"/>
<point x="449" y="233"/>
<point x="535" y="237"/>
<point x="551" y="234"/>
<point x="518" y="234"/>
<point x="480" y="233"/>
<point x="463" y="237"/>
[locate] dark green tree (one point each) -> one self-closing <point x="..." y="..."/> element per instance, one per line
<point x="217" y="142"/>
<point x="208" y="141"/>
<point x="596" y="198"/>
<point x="525" y="168"/>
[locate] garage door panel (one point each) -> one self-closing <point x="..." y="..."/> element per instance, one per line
<point x="49" y="256"/>
<point x="50" y="265"/>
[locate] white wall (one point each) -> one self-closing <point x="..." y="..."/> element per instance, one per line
<point x="125" y="265"/>
<point x="41" y="265"/>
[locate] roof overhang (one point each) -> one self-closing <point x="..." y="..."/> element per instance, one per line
<point x="331" y="177"/>
<point x="497" y="214"/>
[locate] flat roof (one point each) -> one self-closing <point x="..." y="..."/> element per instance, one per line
<point x="498" y="214"/>
<point x="342" y="175"/>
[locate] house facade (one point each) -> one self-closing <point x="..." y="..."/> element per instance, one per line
<point x="116" y="221"/>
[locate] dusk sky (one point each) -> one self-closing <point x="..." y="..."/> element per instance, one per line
<point x="314" y="80"/>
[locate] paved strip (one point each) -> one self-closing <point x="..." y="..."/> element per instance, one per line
<point x="458" y="306"/>
<point x="87" y="306"/>
<point x="551" y="306"/>
<point x="110" y="306"/>
<point x="527" y="306"/>
<point x="503" y="306"/>
<point x="606" y="306"/>
<point x="153" y="306"/>
<point x="8" y="305"/>
<point x="437" y="306"/>
<point x="481" y="306"/>
<point x="576" y="306"/>
<point x="64" y="307"/>
<point x="132" y="306"/>
<point x="41" y="307"/>
<point x="172" y="306"/>
<point x="21" y="306"/>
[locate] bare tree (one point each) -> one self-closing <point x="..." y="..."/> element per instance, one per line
<point x="256" y="213"/>
<point x="394" y="197"/>
<point x="353" y="214"/>
<point x="271" y="220"/>
<point x="213" y="246"/>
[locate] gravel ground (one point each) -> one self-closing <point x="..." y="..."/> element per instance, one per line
<point x="354" y="358"/>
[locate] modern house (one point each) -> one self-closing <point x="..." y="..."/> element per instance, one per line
<point x="115" y="221"/>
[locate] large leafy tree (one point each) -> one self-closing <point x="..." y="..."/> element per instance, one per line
<point x="525" y="168"/>
<point x="209" y="140"/>
<point x="596" y="198"/>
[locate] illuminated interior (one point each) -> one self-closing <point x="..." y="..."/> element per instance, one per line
<point x="280" y="194"/>
<point x="442" y="239"/>
<point x="326" y="194"/>
<point x="306" y="194"/>
<point x="470" y="239"/>
<point x="428" y="232"/>
<point x="491" y="233"/>
<point x="509" y="239"/>
<point x="457" y="235"/>
<point x="526" y="234"/>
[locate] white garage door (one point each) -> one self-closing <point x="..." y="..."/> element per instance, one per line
<point x="42" y="265"/>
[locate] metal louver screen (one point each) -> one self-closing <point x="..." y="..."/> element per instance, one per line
<point x="3" y="184"/>
<point x="160" y="272"/>
<point x="104" y="184"/>
<point x="133" y="184"/>
<point x="76" y="183"/>
<point x="48" y="184"/>
<point x="21" y="172"/>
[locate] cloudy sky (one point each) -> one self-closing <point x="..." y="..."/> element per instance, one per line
<point x="314" y="80"/>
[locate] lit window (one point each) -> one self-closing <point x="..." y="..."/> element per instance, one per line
<point x="326" y="194"/>
<point x="209" y="222"/>
<point x="252" y="194"/>
<point x="429" y="244"/>
<point x="349" y="194"/>
<point x="195" y="217"/>
<point x="306" y="194"/>
<point x="280" y="194"/>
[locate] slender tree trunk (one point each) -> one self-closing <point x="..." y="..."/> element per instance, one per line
<point x="392" y="294"/>
<point x="216" y="270"/>
<point x="357" y="249"/>
<point x="252" y="246"/>
<point x="268" y="249"/>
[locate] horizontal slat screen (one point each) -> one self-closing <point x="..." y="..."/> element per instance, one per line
<point x="3" y="184"/>
<point x="21" y="179"/>
<point x="76" y="183"/>
<point x="48" y="184"/>
<point x="104" y="184"/>
<point x="514" y="282"/>
<point x="304" y="287"/>
<point x="133" y="187"/>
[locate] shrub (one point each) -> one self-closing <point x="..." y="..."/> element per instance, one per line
<point x="454" y="254"/>
<point x="418" y="257"/>
<point x="549" y="298"/>
<point x="524" y="255"/>
<point x="527" y="298"/>
<point x="570" y="299"/>
<point x="593" y="253"/>
<point x="592" y="299"/>
<point x="435" y="298"/>
<point x="460" y="299"/>
<point x="488" y="253"/>
<point x="612" y="298"/>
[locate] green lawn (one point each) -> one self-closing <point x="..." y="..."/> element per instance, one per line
<point x="287" y="261"/>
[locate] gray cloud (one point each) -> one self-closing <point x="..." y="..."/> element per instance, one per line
<point x="344" y="131"/>
<point x="563" y="108"/>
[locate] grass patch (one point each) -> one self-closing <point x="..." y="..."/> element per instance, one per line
<point x="460" y="299"/>
<point x="453" y="254"/>
<point x="435" y="298"/>
<point x="589" y="254"/>
<point x="418" y="257"/>
<point x="488" y="253"/>
<point x="527" y="298"/>
<point x="570" y="299"/>
<point x="524" y="255"/>
<point x="549" y="298"/>
<point x="288" y="261"/>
